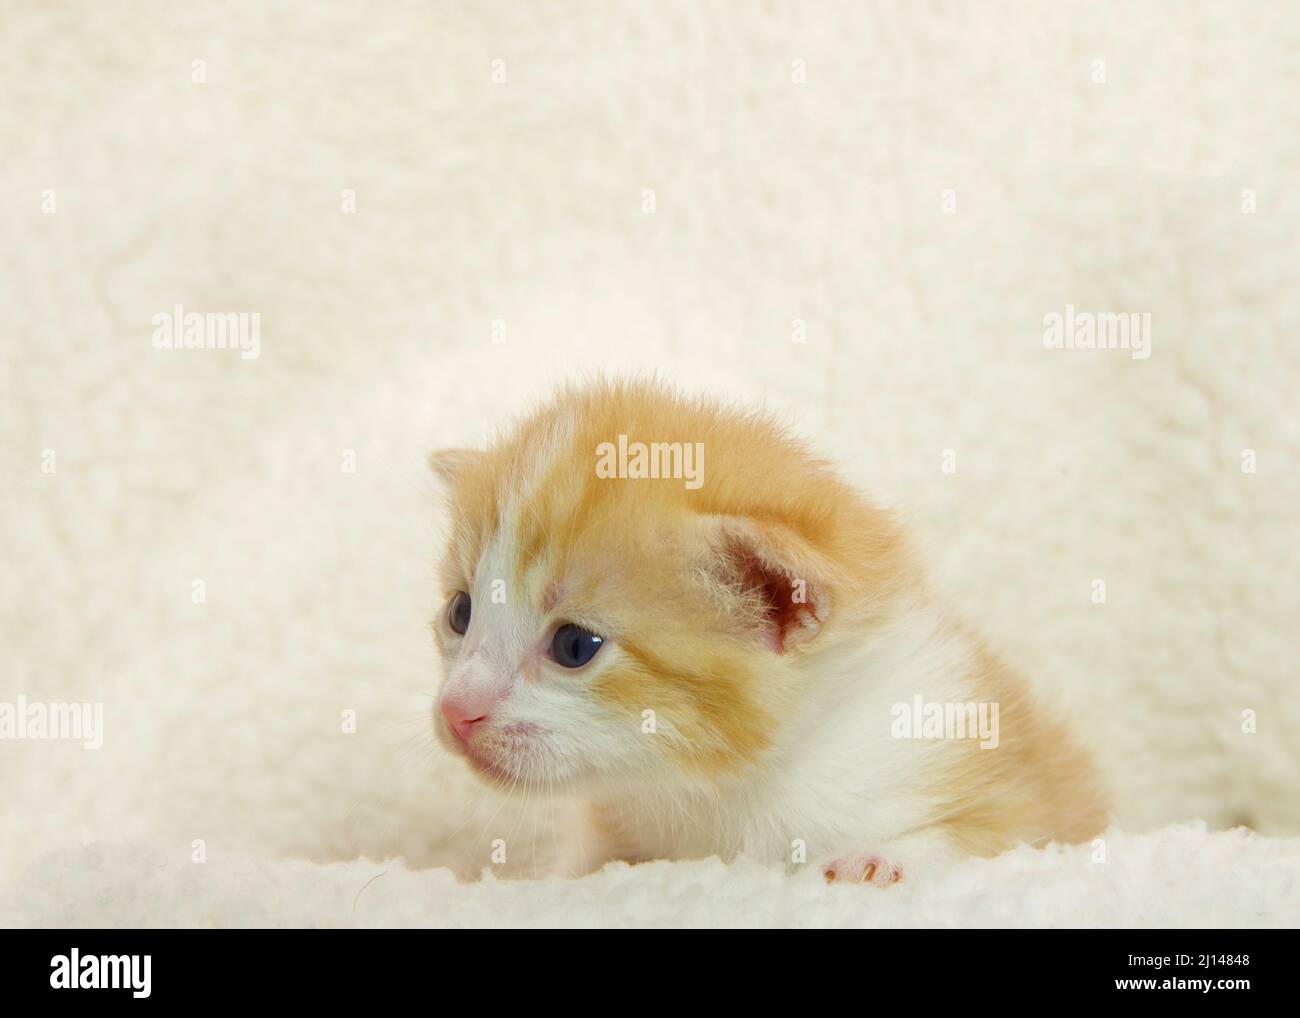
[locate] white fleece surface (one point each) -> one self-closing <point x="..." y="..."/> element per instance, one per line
<point x="1179" y="877"/>
<point x="1170" y="188"/>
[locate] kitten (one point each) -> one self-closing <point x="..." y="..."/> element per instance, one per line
<point x="674" y="609"/>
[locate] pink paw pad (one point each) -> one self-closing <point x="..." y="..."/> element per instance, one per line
<point x="864" y="869"/>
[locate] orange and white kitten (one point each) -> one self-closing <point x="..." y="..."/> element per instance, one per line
<point x="674" y="609"/>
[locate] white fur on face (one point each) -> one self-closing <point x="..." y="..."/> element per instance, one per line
<point x="546" y="729"/>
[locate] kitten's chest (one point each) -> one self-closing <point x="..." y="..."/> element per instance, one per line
<point x="796" y="813"/>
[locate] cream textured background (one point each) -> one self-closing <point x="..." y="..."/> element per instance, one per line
<point x="522" y="202"/>
<point x="1179" y="876"/>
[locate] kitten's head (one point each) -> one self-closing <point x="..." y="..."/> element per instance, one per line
<point x="636" y="585"/>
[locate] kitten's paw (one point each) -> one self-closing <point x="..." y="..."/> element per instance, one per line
<point x="875" y="870"/>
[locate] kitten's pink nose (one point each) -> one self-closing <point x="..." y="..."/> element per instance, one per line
<point x="463" y="714"/>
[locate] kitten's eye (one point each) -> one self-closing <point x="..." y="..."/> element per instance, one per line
<point x="458" y="612"/>
<point x="574" y="647"/>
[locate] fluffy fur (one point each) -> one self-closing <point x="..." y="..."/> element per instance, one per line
<point x="760" y="631"/>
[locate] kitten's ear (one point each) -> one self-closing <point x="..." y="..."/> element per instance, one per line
<point x="449" y="464"/>
<point x="778" y="578"/>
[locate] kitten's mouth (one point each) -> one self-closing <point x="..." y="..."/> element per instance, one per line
<point x="500" y="764"/>
<point x="489" y="769"/>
